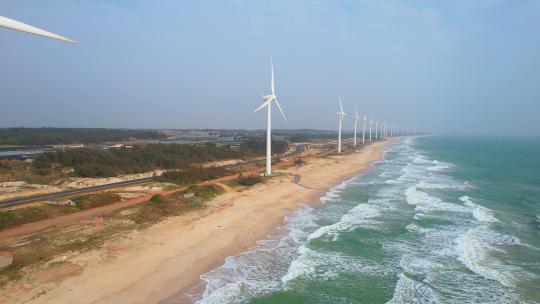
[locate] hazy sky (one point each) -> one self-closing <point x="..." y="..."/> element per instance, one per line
<point x="443" y="66"/>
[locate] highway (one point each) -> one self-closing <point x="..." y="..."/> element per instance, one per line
<point x="42" y="197"/>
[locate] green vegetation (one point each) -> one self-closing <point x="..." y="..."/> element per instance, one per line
<point x="39" y="249"/>
<point x="42" y="248"/>
<point x="205" y="193"/>
<point x="112" y="162"/>
<point x="257" y="146"/>
<point x="55" y="136"/>
<point x="192" y="175"/>
<point x="156" y="199"/>
<point x="249" y="180"/>
<point x="84" y="162"/>
<point x="16" y="170"/>
<point x="21" y="216"/>
<point x="161" y="206"/>
<point x="90" y="201"/>
<point x="144" y="158"/>
<point x="244" y="181"/>
<point x="306" y="135"/>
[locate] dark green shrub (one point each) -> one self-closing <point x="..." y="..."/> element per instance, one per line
<point x="250" y="180"/>
<point x="156" y="199"/>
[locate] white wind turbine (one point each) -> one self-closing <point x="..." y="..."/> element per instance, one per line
<point x="364" y="130"/>
<point x="376" y="129"/>
<point x="356" y="118"/>
<point x="19" y="26"/>
<point x="370" y="125"/>
<point x="340" y="115"/>
<point x="268" y="100"/>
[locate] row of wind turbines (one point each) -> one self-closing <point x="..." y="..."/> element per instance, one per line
<point x="382" y="130"/>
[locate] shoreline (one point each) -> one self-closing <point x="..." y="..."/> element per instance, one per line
<point x="163" y="262"/>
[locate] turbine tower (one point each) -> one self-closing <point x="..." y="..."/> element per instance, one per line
<point x="340" y="115"/>
<point x="376" y="129"/>
<point x="370" y="124"/>
<point x="19" y="26"/>
<point x="356" y="118"/>
<point x="364" y="130"/>
<point x="268" y="100"/>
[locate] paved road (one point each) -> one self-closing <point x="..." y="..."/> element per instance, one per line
<point x="42" y="197"/>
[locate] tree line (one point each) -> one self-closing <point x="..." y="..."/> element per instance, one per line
<point x="143" y="158"/>
<point x="55" y="136"/>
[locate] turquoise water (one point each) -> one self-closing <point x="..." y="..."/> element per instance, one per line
<point x="439" y="220"/>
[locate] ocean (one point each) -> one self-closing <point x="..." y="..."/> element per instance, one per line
<point x="438" y="220"/>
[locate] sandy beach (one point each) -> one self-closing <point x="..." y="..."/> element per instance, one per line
<point x="160" y="263"/>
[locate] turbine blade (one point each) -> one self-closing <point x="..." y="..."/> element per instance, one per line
<point x="263" y="105"/>
<point x="340" y="104"/>
<point x="281" y="110"/>
<point x="22" y="27"/>
<point x="273" y="83"/>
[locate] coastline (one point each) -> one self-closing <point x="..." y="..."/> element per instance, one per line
<point x="159" y="263"/>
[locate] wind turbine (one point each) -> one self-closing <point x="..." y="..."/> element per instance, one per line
<point x="356" y="118"/>
<point x="340" y="115"/>
<point x="370" y="124"/>
<point x="376" y="128"/>
<point x="364" y="130"/>
<point x="19" y="26"/>
<point x="268" y="99"/>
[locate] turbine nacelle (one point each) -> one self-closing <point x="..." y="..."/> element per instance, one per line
<point x="356" y="117"/>
<point x="268" y="97"/>
<point x="271" y="98"/>
<point x="340" y="113"/>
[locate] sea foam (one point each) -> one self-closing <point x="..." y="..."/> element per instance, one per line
<point x="259" y="270"/>
<point x="480" y="213"/>
<point x="474" y="249"/>
<point x="315" y="265"/>
<point x="409" y="291"/>
<point x="359" y="216"/>
<point x="429" y="203"/>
